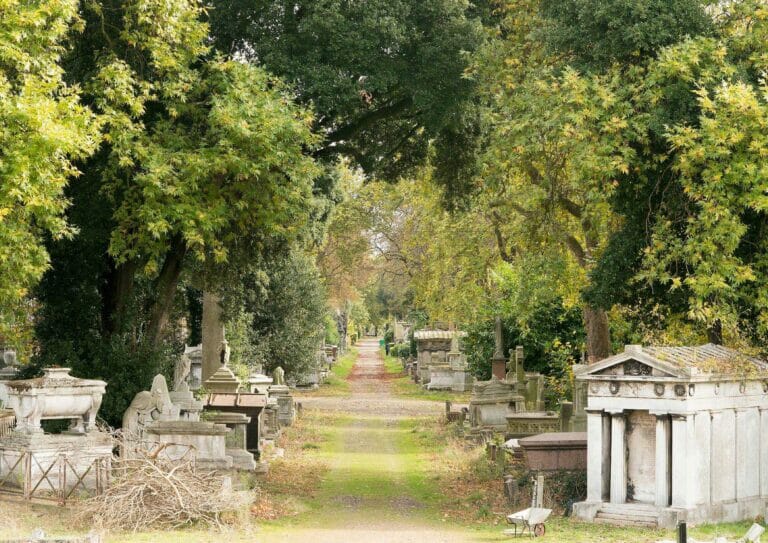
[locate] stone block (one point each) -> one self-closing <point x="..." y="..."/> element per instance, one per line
<point x="556" y="451"/>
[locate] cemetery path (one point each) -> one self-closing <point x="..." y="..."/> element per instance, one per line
<point x="375" y="490"/>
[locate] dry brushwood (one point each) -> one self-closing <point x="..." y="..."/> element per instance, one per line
<point x="148" y="491"/>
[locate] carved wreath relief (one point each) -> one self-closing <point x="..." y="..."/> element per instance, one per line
<point x="635" y="368"/>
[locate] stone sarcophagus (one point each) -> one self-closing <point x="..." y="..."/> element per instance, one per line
<point x="55" y="395"/>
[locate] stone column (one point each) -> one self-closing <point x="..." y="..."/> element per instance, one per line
<point x="213" y="334"/>
<point x="764" y="452"/>
<point x="597" y="462"/>
<point x="680" y="460"/>
<point x="618" y="458"/>
<point x="663" y="464"/>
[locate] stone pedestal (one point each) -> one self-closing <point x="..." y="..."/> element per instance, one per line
<point x="492" y="401"/>
<point x="206" y="441"/>
<point x="285" y="407"/>
<point x="462" y="381"/>
<point x="189" y="407"/>
<point x="53" y="466"/>
<point x="440" y="377"/>
<point x="237" y="440"/>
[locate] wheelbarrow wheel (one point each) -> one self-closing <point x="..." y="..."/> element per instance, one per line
<point x="539" y="530"/>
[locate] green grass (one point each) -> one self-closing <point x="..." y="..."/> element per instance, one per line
<point x="404" y="387"/>
<point x="336" y="383"/>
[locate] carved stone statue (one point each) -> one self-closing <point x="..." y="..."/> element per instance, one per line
<point x="224" y="353"/>
<point x="181" y="371"/>
<point x="279" y="376"/>
<point x="149" y="406"/>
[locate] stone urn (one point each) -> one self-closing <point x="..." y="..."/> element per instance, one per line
<point x="55" y="395"/>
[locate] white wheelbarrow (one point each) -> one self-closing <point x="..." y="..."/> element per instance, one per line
<point x="531" y="519"/>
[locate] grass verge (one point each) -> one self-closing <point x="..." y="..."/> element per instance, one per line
<point x="336" y="383"/>
<point x="404" y="387"/>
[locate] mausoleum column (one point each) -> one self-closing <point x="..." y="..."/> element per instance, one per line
<point x="597" y="463"/>
<point x="680" y="460"/>
<point x="663" y="460"/>
<point x="618" y="458"/>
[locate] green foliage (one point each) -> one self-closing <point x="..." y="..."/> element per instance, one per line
<point x="552" y="334"/>
<point x="331" y="331"/>
<point x="386" y="77"/>
<point x="598" y="33"/>
<point x="400" y="350"/>
<point x="289" y="321"/>
<point x="44" y="130"/>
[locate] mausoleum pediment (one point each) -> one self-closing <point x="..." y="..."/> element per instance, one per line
<point x="633" y="365"/>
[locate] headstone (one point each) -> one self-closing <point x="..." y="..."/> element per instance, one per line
<point x="520" y="364"/>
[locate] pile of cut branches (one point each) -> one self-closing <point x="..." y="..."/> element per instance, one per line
<point x="151" y="492"/>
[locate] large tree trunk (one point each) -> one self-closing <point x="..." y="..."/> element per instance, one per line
<point x="598" y="334"/>
<point x="165" y="290"/>
<point x="116" y="294"/>
<point x="715" y="332"/>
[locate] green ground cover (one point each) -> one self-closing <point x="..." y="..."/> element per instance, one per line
<point x="336" y="383"/>
<point x="404" y="387"/>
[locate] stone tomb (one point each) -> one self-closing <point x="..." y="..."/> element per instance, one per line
<point x="676" y="433"/>
<point x="491" y="402"/>
<point x="440" y="364"/>
<point x="432" y="347"/>
<point x="152" y="420"/>
<point x="37" y="464"/>
<point x="555" y="451"/>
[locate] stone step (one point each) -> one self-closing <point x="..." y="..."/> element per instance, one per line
<point x="626" y="521"/>
<point x="643" y="518"/>
<point x="645" y="513"/>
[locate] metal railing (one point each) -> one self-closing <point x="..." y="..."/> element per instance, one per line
<point x="7" y="422"/>
<point x="52" y="478"/>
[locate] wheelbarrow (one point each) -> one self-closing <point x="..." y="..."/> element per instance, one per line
<point x="531" y="519"/>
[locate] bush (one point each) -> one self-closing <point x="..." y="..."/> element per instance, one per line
<point x="400" y="350"/>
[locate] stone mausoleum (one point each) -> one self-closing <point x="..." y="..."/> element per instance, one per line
<point x="676" y="433"/>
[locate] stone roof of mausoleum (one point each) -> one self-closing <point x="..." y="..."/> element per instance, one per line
<point x="437" y="334"/>
<point x="687" y="360"/>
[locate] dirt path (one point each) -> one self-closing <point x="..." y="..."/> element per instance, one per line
<point x="370" y="489"/>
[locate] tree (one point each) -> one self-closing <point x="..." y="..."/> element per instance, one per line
<point x="201" y="155"/>
<point x="45" y="131"/>
<point x="595" y="34"/>
<point x="386" y="77"/>
<point x="715" y="250"/>
<point x="559" y="143"/>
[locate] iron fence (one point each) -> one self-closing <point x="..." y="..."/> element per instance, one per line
<point x="7" y="422"/>
<point x="55" y="477"/>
